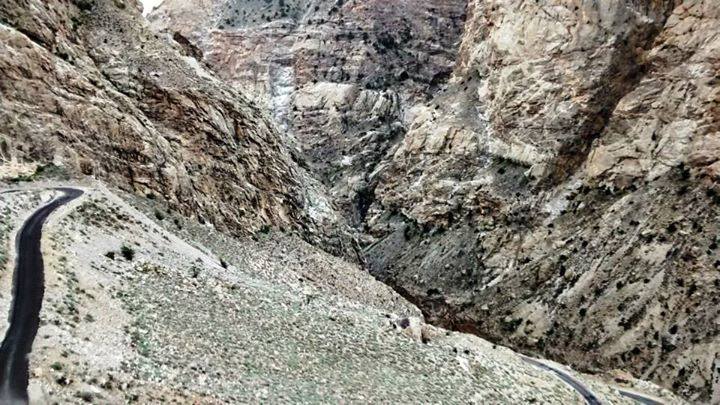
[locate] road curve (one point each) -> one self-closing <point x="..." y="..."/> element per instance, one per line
<point x="28" y="289"/>
<point x="578" y="386"/>
<point x="584" y="391"/>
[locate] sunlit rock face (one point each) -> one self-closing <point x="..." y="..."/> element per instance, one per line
<point x="541" y="173"/>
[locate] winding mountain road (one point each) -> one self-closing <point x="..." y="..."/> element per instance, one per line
<point x="28" y="290"/>
<point x="640" y="398"/>
<point x="578" y="386"/>
<point x="583" y="390"/>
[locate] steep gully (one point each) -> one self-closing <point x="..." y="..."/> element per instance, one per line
<point x="28" y="295"/>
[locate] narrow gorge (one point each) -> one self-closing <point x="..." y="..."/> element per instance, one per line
<point x="541" y="174"/>
<point x="279" y="194"/>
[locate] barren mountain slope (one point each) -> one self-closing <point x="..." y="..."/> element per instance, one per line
<point x="557" y="193"/>
<point x="135" y="313"/>
<point x="566" y="202"/>
<point x="87" y="86"/>
<point x="170" y="309"/>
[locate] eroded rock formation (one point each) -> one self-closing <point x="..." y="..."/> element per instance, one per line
<point x="557" y="192"/>
<point x="339" y="77"/>
<point x="572" y="215"/>
<point x="86" y="85"/>
<point x="540" y="173"/>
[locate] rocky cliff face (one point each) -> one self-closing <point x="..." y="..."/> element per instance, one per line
<point x="87" y="86"/>
<point x="560" y="195"/>
<point x="556" y="192"/>
<point x="338" y="76"/>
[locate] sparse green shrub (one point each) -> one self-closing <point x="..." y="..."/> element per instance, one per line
<point x="127" y="252"/>
<point x="85" y="5"/>
<point x="43" y="172"/>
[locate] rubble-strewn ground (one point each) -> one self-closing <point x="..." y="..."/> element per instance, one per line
<point x="132" y="312"/>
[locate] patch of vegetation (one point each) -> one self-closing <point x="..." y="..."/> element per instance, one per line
<point x="5" y="229"/>
<point x="511" y="325"/>
<point x="138" y="340"/>
<point x="103" y="214"/>
<point x="49" y="171"/>
<point x="85" y="5"/>
<point x="127" y="252"/>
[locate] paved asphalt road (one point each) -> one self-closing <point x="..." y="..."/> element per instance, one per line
<point x="584" y="391"/>
<point x="640" y="398"/>
<point x="28" y="295"/>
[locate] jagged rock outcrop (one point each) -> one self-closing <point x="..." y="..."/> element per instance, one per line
<point x="560" y="195"/>
<point x="86" y="85"/>
<point x="556" y="193"/>
<point x="339" y="76"/>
